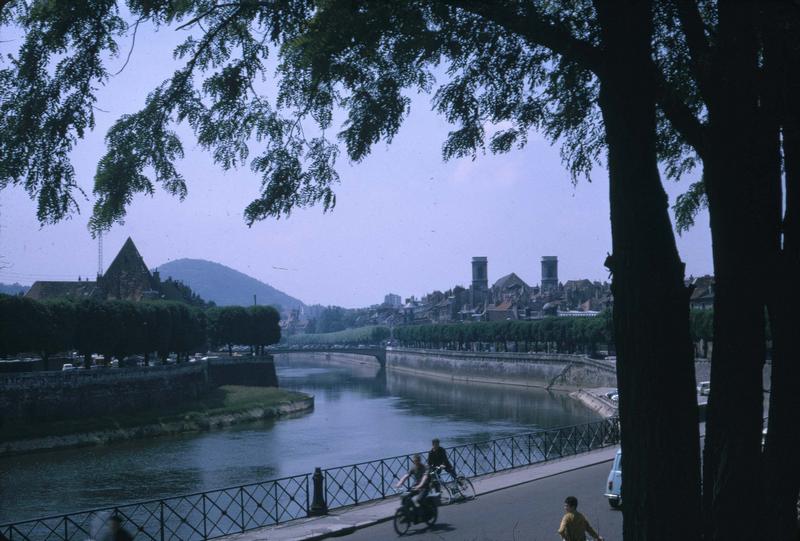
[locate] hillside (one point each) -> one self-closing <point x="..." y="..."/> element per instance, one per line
<point x="224" y="285"/>
<point x="13" y="289"/>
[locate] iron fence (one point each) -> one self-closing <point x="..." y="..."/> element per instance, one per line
<point x="217" y="513"/>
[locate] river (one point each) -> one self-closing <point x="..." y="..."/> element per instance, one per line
<point x="360" y="414"/>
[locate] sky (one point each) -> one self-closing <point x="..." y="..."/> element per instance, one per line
<point x="405" y="222"/>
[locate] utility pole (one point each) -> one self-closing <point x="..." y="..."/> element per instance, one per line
<point x="254" y="300"/>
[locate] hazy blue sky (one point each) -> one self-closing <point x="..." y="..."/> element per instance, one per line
<point x="405" y="222"/>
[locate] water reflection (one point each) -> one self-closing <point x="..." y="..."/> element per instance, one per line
<point x="361" y="413"/>
<point x="517" y="407"/>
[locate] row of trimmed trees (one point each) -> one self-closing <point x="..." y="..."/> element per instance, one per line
<point x="553" y="334"/>
<point x="121" y="328"/>
<point x="374" y="334"/>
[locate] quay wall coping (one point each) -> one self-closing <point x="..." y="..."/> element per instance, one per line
<point x="518" y="357"/>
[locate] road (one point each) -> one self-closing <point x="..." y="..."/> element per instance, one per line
<point x="529" y="512"/>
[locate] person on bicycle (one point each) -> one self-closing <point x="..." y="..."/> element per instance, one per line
<point x="421" y="478"/>
<point x="437" y="456"/>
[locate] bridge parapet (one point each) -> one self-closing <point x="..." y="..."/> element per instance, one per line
<point x="378" y="353"/>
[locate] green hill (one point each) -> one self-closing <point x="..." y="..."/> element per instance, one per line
<point x="224" y="285"/>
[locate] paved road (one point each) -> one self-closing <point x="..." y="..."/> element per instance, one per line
<point x="529" y="512"/>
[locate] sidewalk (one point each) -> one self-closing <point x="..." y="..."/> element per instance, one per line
<point x="348" y="519"/>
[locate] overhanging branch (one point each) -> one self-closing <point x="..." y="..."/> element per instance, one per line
<point x="537" y="29"/>
<point x="682" y="118"/>
<point x="699" y="49"/>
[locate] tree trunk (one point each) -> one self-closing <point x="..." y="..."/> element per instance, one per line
<point x="781" y="469"/>
<point x="742" y="178"/>
<point x="655" y="368"/>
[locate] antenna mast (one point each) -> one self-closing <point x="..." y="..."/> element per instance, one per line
<point x="100" y="254"/>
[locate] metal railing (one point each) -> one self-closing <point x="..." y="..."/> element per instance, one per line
<point x="217" y="513"/>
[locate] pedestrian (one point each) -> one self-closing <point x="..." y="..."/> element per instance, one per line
<point x="437" y="456"/>
<point x="574" y="525"/>
<point x="116" y="531"/>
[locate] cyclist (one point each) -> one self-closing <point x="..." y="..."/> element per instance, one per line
<point x="437" y="456"/>
<point x="421" y="478"/>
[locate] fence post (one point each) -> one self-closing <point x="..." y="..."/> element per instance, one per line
<point x="513" y="441"/>
<point x="205" y="528"/>
<point x="494" y="456"/>
<point x="475" y="459"/>
<point x="383" y="480"/>
<point x="161" y="518"/>
<point x="530" y="460"/>
<point x="318" y="505"/>
<point x="241" y="503"/>
<point x="355" y="484"/>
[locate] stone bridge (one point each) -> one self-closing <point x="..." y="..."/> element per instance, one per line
<point x="378" y="353"/>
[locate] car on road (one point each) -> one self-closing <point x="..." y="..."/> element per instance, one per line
<point x="67" y="367"/>
<point x="614" y="482"/>
<point x="703" y="388"/>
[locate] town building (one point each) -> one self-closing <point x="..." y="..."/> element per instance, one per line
<point x="549" y="273"/>
<point x="127" y="278"/>
<point x="393" y="301"/>
<point x="702" y="297"/>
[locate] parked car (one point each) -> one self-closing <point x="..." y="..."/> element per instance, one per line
<point x="114" y="363"/>
<point x="614" y="397"/>
<point x="614" y="483"/>
<point x="67" y="367"/>
<point x="703" y="388"/>
<point x="611" y="393"/>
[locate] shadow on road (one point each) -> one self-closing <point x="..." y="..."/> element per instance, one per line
<point x="441" y="527"/>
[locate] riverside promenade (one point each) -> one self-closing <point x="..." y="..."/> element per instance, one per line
<point x="521" y="504"/>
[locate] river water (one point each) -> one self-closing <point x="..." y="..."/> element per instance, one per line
<point x="361" y="413"/>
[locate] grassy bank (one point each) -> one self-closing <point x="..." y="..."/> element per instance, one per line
<point x="228" y="400"/>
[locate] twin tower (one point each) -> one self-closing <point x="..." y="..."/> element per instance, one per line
<point x="480" y="277"/>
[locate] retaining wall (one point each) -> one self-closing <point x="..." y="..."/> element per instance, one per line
<point x="254" y="371"/>
<point x="40" y="396"/>
<point x="554" y="371"/>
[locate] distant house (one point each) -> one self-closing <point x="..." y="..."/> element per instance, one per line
<point x="127" y="278"/>
<point x="501" y="312"/>
<point x="703" y="293"/>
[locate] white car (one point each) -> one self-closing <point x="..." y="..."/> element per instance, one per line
<point x="67" y="367"/>
<point x="703" y="388"/>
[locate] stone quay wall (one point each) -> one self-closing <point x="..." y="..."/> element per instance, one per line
<point x="48" y="396"/>
<point x="253" y="371"/>
<point x="547" y="370"/>
<point x="332" y="357"/>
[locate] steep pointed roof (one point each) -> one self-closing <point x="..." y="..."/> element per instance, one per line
<point x="128" y="276"/>
<point x="509" y="280"/>
<point x="127" y="258"/>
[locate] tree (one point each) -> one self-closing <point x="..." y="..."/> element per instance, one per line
<point x="62" y="326"/>
<point x="263" y="328"/>
<point x="584" y="75"/>
<point x="24" y="325"/>
<point x="231" y="326"/>
<point x="735" y="65"/>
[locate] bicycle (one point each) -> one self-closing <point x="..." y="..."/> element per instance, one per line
<point x="459" y="487"/>
<point x="408" y="514"/>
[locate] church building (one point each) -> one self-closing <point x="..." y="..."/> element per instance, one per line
<point x="127" y="278"/>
